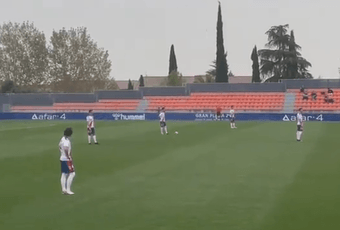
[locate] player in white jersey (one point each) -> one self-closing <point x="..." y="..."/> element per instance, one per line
<point x="299" y="122"/>
<point x="91" y="132"/>
<point x="232" y="118"/>
<point x="67" y="168"/>
<point x="162" y="122"/>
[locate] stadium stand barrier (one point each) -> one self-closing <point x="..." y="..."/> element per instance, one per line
<point x="242" y="87"/>
<point x="74" y="97"/>
<point x="31" y="99"/>
<point x="194" y="98"/>
<point x="163" y="91"/>
<point x="311" y="83"/>
<point x="119" y="94"/>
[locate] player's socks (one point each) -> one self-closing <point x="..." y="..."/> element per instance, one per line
<point x="69" y="182"/>
<point x="95" y="139"/>
<point x="231" y="125"/>
<point x="298" y="135"/>
<point x="162" y="130"/>
<point x="166" y="130"/>
<point x="63" y="182"/>
<point x="89" y="139"/>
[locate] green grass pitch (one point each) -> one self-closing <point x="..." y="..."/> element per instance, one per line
<point x="208" y="177"/>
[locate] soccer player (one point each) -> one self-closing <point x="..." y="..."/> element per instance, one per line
<point x="299" y="122"/>
<point x="162" y="122"/>
<point x="232" y="118"/>
<point x="67" y="168"/>
<point x="218" y="113"/>
<point x="91" y="132"/>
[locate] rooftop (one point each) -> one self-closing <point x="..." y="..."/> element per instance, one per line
<point x="158" y="81"/>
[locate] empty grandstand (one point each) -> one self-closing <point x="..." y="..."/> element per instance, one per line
<point x="270" y="97"/>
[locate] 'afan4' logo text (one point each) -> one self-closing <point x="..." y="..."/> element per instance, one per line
<point x="305" y="118"/>
<point x="48" y="116"/>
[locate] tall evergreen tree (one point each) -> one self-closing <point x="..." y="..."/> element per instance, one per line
<point x="292" y="67"/>
<point x="256" y="67"/>
<point x="212" y="71"/>
<point x="141" y="81"/>
<point x="130" y="86"/>
<point x="282" y="59"/>
<point x="221" y="60"/>
<point x="297" y="66"/>
<point x="172" y="60"/>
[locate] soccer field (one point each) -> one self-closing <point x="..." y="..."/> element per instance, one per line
<point x="206" y="177"/>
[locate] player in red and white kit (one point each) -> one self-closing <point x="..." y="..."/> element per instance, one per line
<point x="66" y="161"/>
<point x="218" y="113"/>
<point x="91" y="132"/>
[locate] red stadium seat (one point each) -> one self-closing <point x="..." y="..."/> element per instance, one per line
<point x="210" y="101"/>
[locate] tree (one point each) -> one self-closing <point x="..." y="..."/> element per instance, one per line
<point x="212" y="71"/>
<point x="221" y="60"/>
<point x="204" y="79"/>
<point x="141" y="81"/>
<point x="174" y="79"/>
<point x="110" y="84"/>
<point x="130" y="86"/>
<point x="282" y="59"/>
<point x="292" y="67"/>
<point x="297" y="67"/>
<point x="199" y="79"/>
<point x="77" y="63"/>
<point x="23" y="55"/>
<point x="8" y="87"/>
<point x="172" y="60"/>
<point x="255" y="66"/>
<point x="209" y="79"/>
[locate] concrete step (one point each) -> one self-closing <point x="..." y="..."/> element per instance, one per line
<point x="143" y="105"/>
<point x="288" y="106"/>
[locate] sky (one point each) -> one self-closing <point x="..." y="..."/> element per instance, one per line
<point x="138" y="33"/>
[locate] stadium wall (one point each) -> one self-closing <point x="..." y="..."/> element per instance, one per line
<point x="4" y="100"/>
<point x="74" y="97"/>
<point x="311" y="83"/>
<point x="119" y="94"/>
<point x="163" y="91"/>
<point x="244" y="87"/>
<point x="169" y="116"/>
